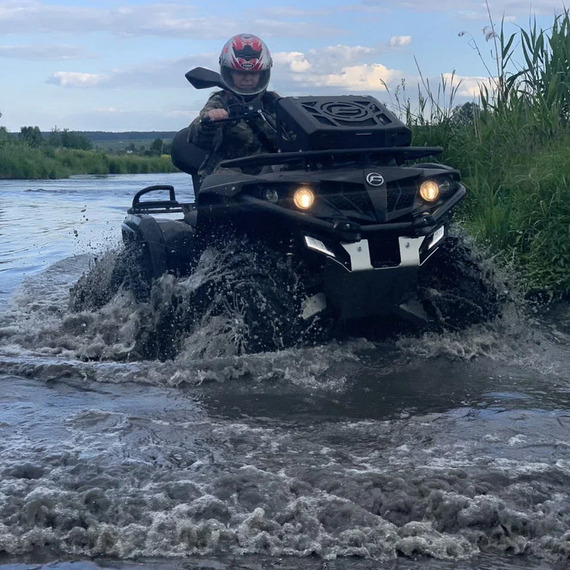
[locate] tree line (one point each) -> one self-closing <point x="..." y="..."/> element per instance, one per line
<point x="56" y="138"/>
<point x="31" y="154"/>
<point x="64" y="138"/>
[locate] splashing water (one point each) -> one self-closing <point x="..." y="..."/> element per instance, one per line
<point x="238" y="299"/>
<point x="441" y="449"/>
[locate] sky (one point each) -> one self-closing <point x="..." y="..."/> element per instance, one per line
<point x="119" y="65"/>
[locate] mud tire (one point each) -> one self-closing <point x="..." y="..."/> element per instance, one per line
<point x="125" y="267"/>
<point x="260" y="291"/>
<point x="251" y="293"/>
<point x="458" y="286"/>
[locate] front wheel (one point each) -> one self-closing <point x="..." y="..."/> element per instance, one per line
<point x="123" y="268"/>
<point x="458" y="286"/>
<point x="261" y="295"/>
<point x="240" y="298"/>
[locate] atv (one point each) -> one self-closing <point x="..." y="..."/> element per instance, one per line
<point x="344" y="202"/>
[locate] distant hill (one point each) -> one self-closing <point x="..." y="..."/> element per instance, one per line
<point x="96" y="136"/>
<point x="120" y="141"/>
<point x="111" y="141"/>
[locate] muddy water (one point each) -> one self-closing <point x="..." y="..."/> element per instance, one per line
<point x="435" y="451"/>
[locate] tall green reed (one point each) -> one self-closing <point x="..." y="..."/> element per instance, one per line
<point x="511" y="147"/>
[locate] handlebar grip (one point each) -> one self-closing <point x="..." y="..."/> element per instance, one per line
<point x="211" y="123"/>
<point x="207" y="122"/>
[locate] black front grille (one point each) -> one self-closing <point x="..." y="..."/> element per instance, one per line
<point x="353" y="197"/>
<point x="400" y="196"/>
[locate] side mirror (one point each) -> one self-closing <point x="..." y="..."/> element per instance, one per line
<point x="202" y="78"/>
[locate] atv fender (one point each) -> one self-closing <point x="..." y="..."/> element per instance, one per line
<point x="167" y="245"/>
<point x="145" y="232"/>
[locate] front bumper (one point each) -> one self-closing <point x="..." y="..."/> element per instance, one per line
<point x="369" y="270"/>
<point x="357" y="289"/>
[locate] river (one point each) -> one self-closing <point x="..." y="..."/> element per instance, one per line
<point x="430" y="451"/>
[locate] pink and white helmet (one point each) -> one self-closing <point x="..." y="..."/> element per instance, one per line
<point x="245" y="53"/>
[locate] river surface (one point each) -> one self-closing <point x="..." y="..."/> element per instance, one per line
<point x="429" y="451"/>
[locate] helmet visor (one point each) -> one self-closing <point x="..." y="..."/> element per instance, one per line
<point x="245" y="82"/>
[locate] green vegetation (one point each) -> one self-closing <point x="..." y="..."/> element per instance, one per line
<point x="61" y="154"/>
<point x="130" y="141"/>
<point x="512" y="150"/>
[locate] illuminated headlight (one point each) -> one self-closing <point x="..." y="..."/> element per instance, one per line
<point x="430" y="190"/>
<point x="303" y="198"/>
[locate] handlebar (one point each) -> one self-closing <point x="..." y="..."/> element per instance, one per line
<point x="241" y="116"/>
<point x="267" y="143"/>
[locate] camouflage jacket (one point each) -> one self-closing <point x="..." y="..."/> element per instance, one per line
<point x="229" y="140"/>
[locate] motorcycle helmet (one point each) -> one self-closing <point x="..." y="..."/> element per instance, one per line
<point x="245" y="53"/>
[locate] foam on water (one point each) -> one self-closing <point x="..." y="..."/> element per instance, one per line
<point x="41" y="337"/>
<point x="178" y="483"/>
<point x="117" y="456"/>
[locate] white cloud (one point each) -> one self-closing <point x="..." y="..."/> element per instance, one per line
<point x="341" y="69"/>
<point x="340" y="66"/>
<point x="150" y="75"/>
<point x="372" y="77"/>
<point x="25" y="15"/>
<point x="171" y="19"/>
<point x="294" y="61"/>
<point x="21" y="16"/>
<point x="473" y="8"/>
<point x="334" y="57"/>
<point x="400" y="41"/>
<point x="77" y="79"/>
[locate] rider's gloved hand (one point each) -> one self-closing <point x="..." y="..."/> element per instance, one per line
<point x="209" y="119"/>
<point x="217" y="114"/>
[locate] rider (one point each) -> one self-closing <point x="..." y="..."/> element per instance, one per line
<point x="245" y="68"/>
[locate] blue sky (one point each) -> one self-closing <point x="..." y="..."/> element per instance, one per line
<point x="119" y="65"/>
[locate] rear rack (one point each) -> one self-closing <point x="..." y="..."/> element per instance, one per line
<point x="155" y="206"/>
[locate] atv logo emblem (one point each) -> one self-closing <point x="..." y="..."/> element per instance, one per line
<point x="374" y="179"/>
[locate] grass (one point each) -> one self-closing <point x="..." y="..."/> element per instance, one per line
<point x="512" y="150"/>
<point x="19" y="160"/>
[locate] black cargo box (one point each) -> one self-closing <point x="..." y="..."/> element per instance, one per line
<point x="342" y="122"/>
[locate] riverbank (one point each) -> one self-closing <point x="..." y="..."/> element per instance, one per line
<point x="512" y="151"/>
<point x="21" y="161"/>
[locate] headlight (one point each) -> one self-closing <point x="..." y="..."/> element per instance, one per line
<point x="445" y="185"/>
<point x="430" y="191"/>
<point x="271" y="195"/>
<point x="304" y="198"/>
